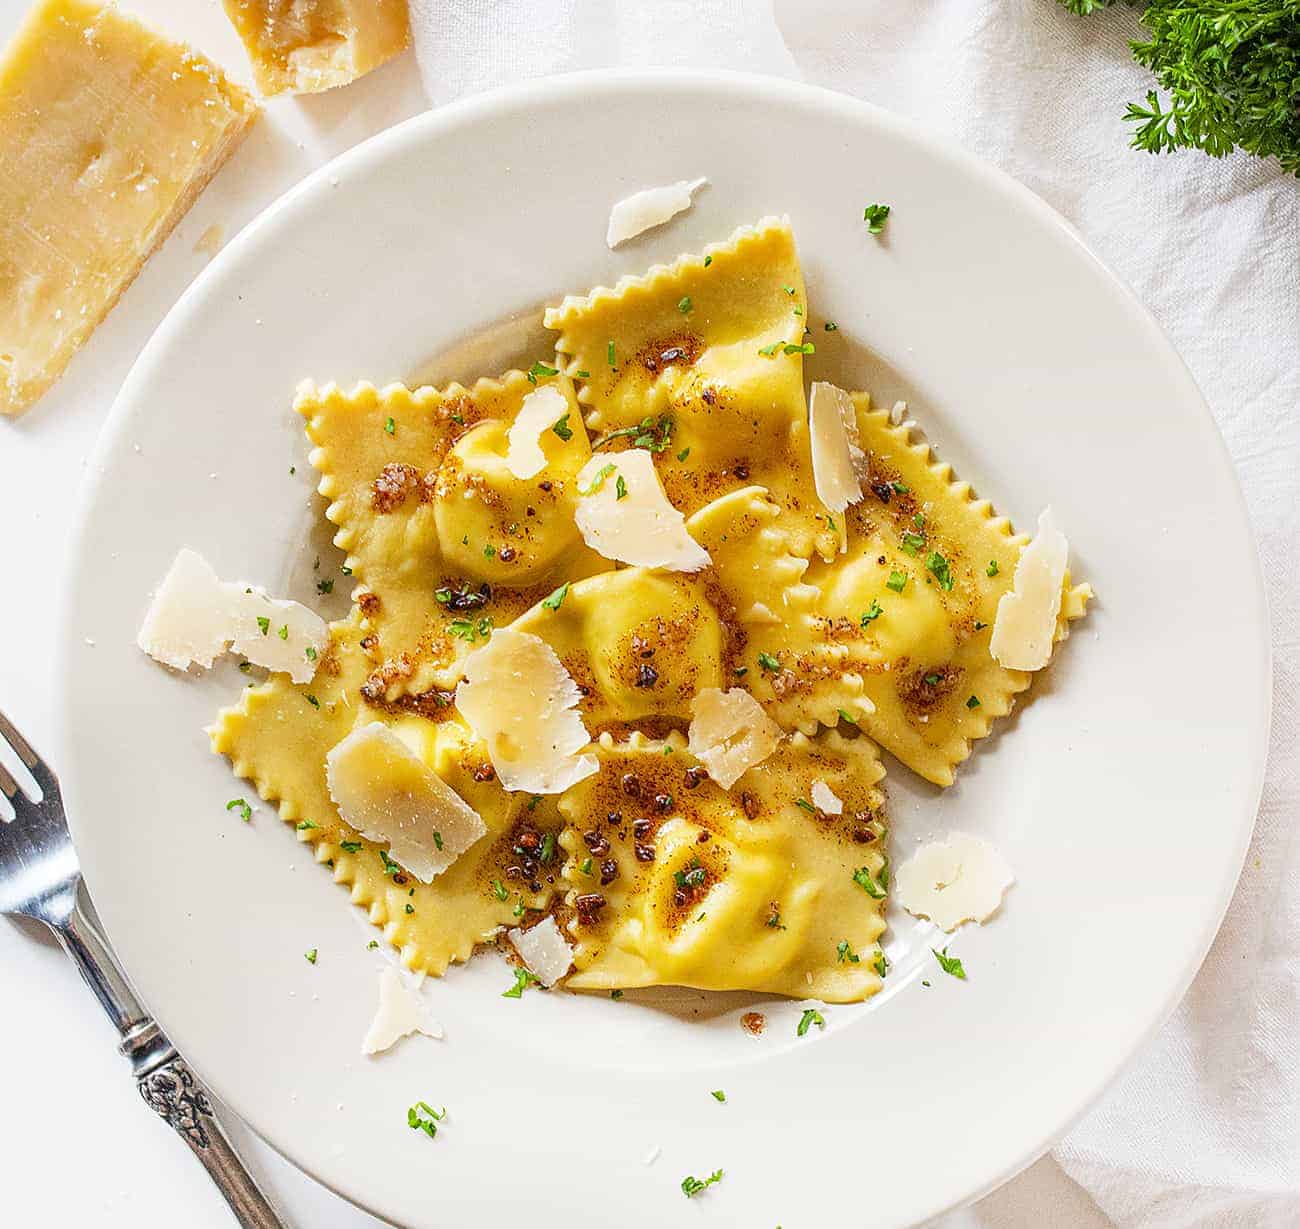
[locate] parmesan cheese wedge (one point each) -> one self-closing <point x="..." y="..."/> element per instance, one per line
<point x="730" y="733"/>
<point x="824" y="799"/>
<point x="522" y="703"/>
<point x="388" y="793"/>
<point x="652" y="207"/>
<point x="1025" y="625"/>
<point x="623" y="514"/>
<point x="194" y="617"/>
<point x="539" y="412"/>
<point x="959" y="879"/>
<point x="838" y="462"/>
<point x="400" y="1013"/>
<point x="543" y="950"/>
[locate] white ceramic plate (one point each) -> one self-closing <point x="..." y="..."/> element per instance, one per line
<point x="1123" y="792"/>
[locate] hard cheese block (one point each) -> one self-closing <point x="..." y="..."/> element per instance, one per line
<point x="306" y="46"/>
<point x="108" y="132"/>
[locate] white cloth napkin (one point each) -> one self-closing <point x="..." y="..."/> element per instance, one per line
<point x="1204" y="1129"/>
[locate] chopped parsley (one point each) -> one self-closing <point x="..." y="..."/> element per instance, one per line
<point x="410" y="908"/>
<point x="350" y="846"/>
<point x="718" y="1095"/>
<point x="238" y="804"/>
<point x="912" y="543"/>
<point x="804" y="805"/>
<point x="899" y="488"/>
<point x="620" y="488"/>
<point x="648" y="433"/>
<point x="693" y="877"/>
<point x="437" y="839"/>
<point x="789" y="290"/>
<point x="523" y="979"/>
<point x="311" y="653"/>
<point x="499" y="891"/>
<point x="585" y="868"/>
<point x="582" y="375"/>
<point x="830" y="326"/>
<point x="489" y="551"/>
<point x="973" y="702"/>
<point x="768" y="662"/>
<point x="423" y="1117"/>
<point x="245" y="667"/>
<point x="311" y="699"/>
<point x="684" y="304"/>
<point x="806" y="348"/>
<point x="692" y="1186"/>
<point x="875" y="888"/>
<point x="325" y="586"/>
<point x="931" y="680"/>
<point x="810" y="1017"/>
<point x="561" y="427"/>
<point x="768" y="351"/>
<point x="609" y="352"/>
<point x="708" y="260"/>
<point x="390" y="426"/>
<point x="844" y="953"/>
<point x="546" y="854"/>
<point x="390" y="867"/>
<point x="896" y="581"/>
<point x="872" y="613"/>
<point x="950" y="964"/>
<point x="598" y="479"/>
<point x="463" y="629"/>
<point x="305" y="825"/>
<point x="616" y="995"/>
<point x="874" y="216"/>
<point x="685" y="452"/>
<point x="992" y="569"/>
<point x="556" y="600"/>
<point x="845" y="715"/>
<point x="940" y="570"/>
<point x="311" y="956"/>
<point x="283" y="633"/>
<point x="880" y="962"/>
<point x="372" y="945"/>
<point x="263" y="624"/>
<point x="540" y="369"/>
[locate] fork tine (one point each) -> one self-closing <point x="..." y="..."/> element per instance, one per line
<point x="8" y="786"/>
<point x="18" y="742"/>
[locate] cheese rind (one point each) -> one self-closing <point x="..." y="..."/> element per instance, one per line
<point x="543" y="950"/>
<point x="522" y="702"/>
<point x="730" y="733"/>
<point x="108" y="132"/>
<point x="306" y="46"/>
<point x="388" y="793"/>
<point x="399" y="1014"/>
<point x="623" y="514"/>
<point x="649" y="208"/>
<point x="1024" y="628"/>
<point x="959" y="879"/>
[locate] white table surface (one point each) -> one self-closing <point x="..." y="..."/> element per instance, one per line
<point x="73" y="1130"/>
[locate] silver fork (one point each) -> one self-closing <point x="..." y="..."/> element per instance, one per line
<point x="40" y="878"/>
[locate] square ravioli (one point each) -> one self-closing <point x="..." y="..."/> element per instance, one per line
<point x="443" y="540"/>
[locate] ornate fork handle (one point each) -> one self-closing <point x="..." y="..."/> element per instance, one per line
<point x="166" y="1083"/>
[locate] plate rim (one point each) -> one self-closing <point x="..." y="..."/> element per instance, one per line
<point x="508" y="99"/>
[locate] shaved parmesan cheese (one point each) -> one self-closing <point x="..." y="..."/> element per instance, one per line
<point x="760" y="613"/>
<point x="837" y="460"/>
<point x="651" y="207"/>
<point x="730" y="733"/>
<point x="539" y="412"/>
<point x="623" y="514"/>
<point x="959" y="879"/>
<point x="1025" y="625"/>
<point x="190" y="618"/>
<point x="400" y="1014"/>
<point x="388" y="793"/>
<point x="543" y="950"/>
<point x="277" y="633"/>
<point x="194" y="617"/>
<point x="824" y="799"/>
<point x="522" y="703"/>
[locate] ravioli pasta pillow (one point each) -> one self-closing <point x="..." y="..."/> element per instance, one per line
<point x="675" y="881"/>
<point x="443" y="540"/>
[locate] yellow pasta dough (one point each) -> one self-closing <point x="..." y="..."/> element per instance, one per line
<point x="675" y="881"/>
<point x="277" y="737"/>
<point x="443" y="540"/>
<point x="704" y="359"/>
